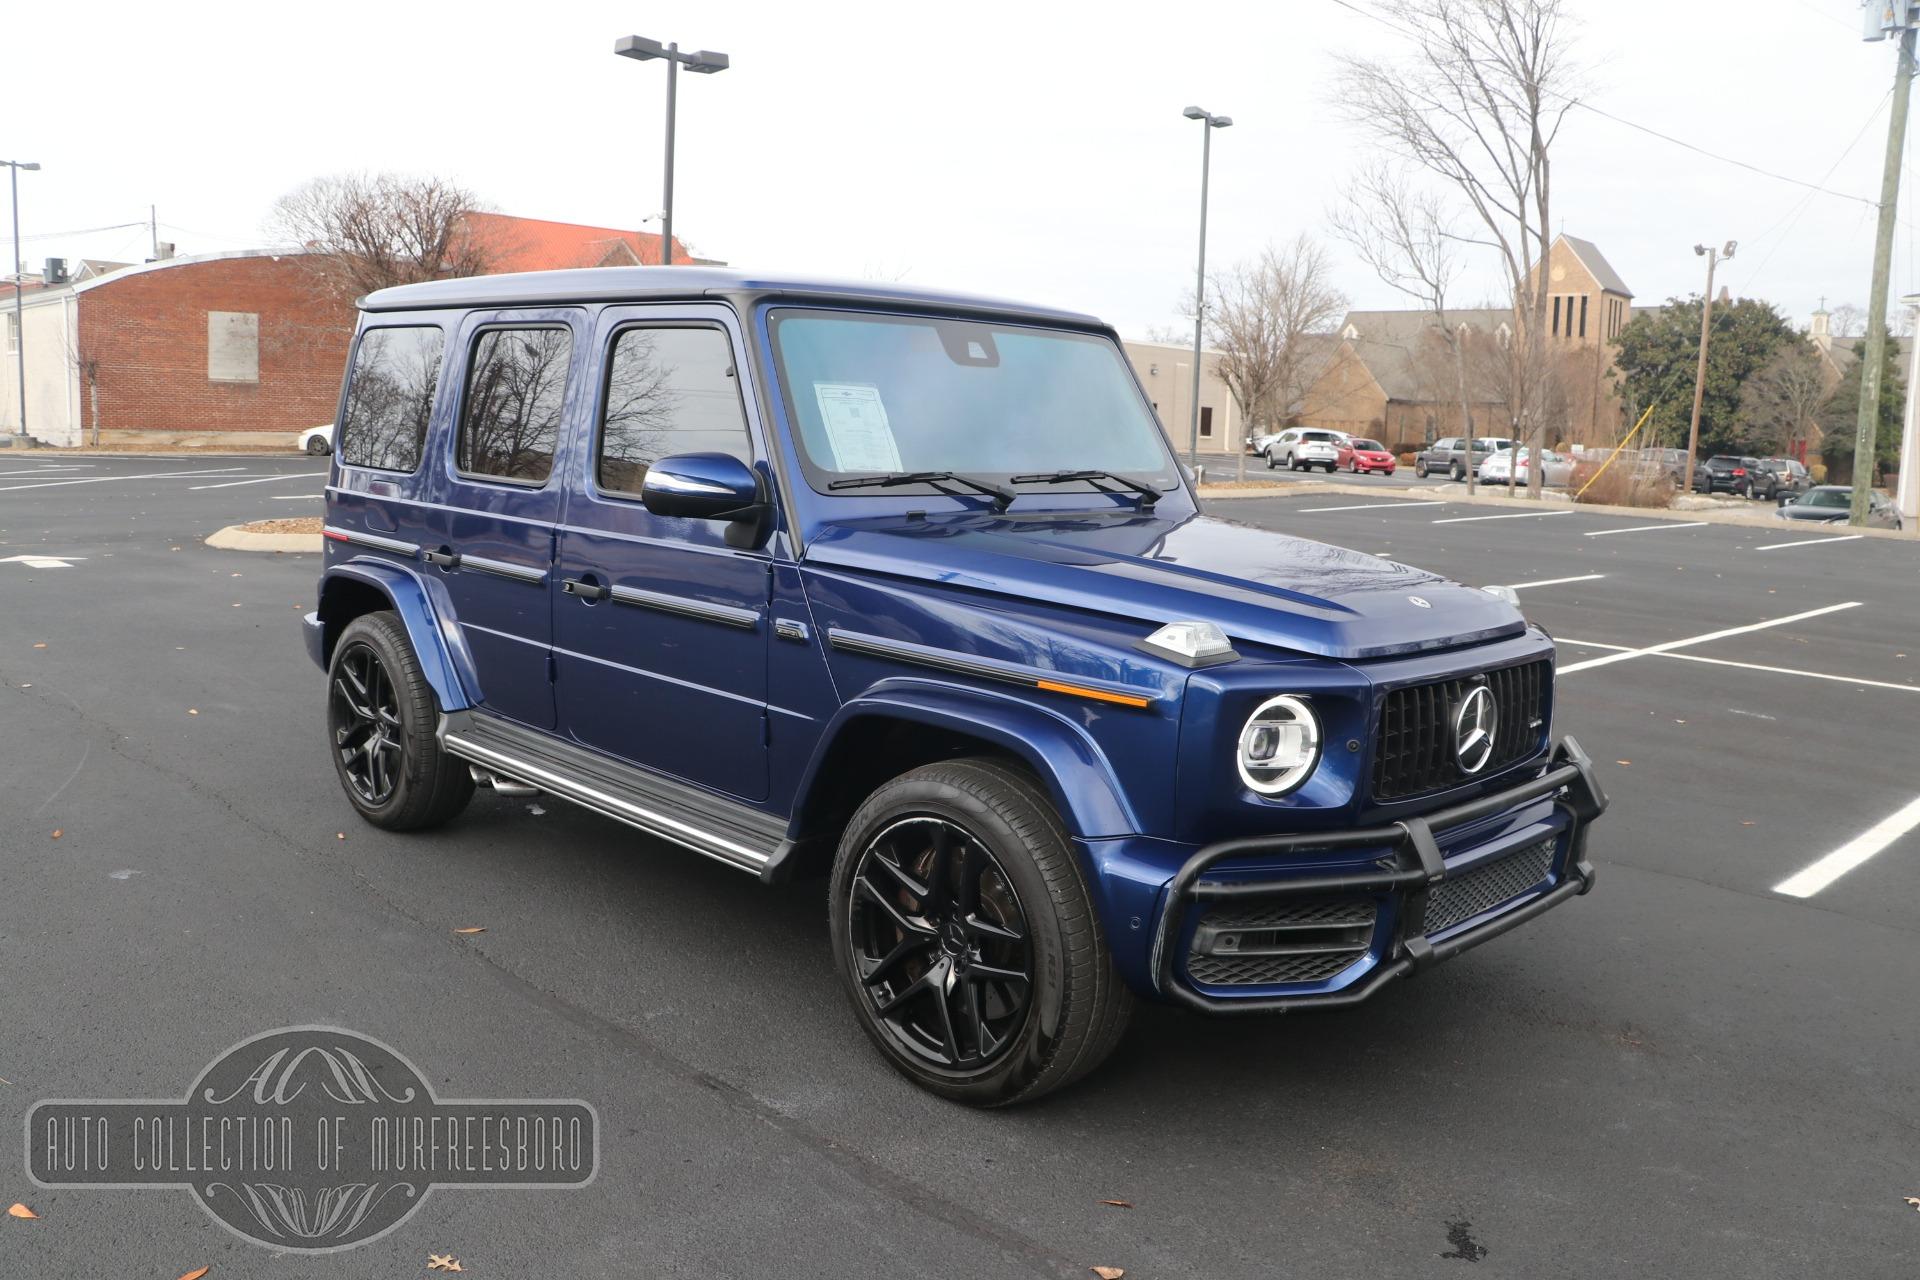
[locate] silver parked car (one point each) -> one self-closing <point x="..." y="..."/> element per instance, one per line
<point x="1298" y="448"/>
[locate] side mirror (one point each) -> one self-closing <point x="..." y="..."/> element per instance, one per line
<point x="709" y="486"/>
<point x="1788" y="499"/>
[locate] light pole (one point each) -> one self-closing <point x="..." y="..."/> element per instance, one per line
<point x="703" y="61"/>
<point x="1714" y="257"/>
<point x="19" y="328"/>
<point x="1200" y="275"/>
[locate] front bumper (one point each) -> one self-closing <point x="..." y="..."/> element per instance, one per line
<point x="1406" y="875"/>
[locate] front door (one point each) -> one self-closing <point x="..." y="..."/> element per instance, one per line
<point x="660" y="644"/>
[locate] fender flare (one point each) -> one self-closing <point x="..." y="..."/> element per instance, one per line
<point x="1065" y="758"/>
<point x="425" y="611"/>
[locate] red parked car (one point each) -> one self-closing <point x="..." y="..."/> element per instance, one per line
<point x="1358" y="456"/>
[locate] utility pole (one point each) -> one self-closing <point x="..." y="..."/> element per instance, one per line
<point x="1867" y="426"/>
<point x="19" y="320"/>
<point x="153" y="228"/>
<point x="1200" y="276"/>
<point x="1713" y="257"/>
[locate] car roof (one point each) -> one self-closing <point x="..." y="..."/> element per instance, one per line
<point x="690" y="283"/>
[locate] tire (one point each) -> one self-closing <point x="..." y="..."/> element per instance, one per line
<point x="375" y="693"/>
<point x="1457" y="472"/>
<point x="1420" y="467"/>
<point x="1025" y="878"/>
<point x="1268" y="455"/>
<point x="317" y="447"/>
<point x="1354" y="467"/>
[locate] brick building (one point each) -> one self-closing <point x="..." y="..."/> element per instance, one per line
<point x="217" y="349"/>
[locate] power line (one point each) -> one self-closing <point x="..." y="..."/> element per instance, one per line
<point x="1631" y="124"/>
<point x="1806" y="201"/>
<point x="83" y="231"/>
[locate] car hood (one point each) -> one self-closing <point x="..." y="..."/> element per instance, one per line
<point x="1262" y="588"/>
<point x="1823" y="515"/>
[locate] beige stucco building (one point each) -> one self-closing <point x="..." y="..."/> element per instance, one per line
<point x="1166" y="370"/>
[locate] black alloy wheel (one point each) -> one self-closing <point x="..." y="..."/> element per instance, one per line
<point x="941" y="943"/>
<point x="364" y="714"/>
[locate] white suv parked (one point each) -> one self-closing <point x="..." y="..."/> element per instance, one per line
<point x="1300" y="447"/>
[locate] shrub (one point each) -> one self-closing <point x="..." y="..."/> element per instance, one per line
<point x="1621" y="485"/>
<point x="1818" y="471"/>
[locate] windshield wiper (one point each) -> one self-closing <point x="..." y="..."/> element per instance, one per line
<point x="1147" y="493"/>
<point x="1002" y="498"/>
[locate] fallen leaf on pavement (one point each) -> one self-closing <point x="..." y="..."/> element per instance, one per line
<point x="58" y="832"/>
<point x="1912" y="1200"/>
<point x="1746" y="822"/>
<point x="193" y="711"/>
<point x="339" y="835"/>
<point x="1118" y="1204"/>
<point x="472" y="928"/>
<point x="195" y="1275"/>
<point x="443" y="1262"/>
<point x="21" y="1211"/>
<point x="1623" y="762"/>
<point x="1107" y="1273"/>
<point x="41" y="645"/>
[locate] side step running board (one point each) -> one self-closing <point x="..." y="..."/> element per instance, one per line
<point x="506" y="753"/>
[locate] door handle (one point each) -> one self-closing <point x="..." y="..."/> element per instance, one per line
<point x="585" y="590"/>
<point x="444" y="559"/>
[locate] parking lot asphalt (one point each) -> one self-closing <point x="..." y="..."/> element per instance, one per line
<point x="1688" y="1072"/>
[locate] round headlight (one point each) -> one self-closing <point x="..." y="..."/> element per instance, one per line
<point x="1279" y="746"/>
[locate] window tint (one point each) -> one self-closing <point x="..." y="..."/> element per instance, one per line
<point x="516" y="386"/>
<point x="390" y="397"/>
<point x="668" y="391"/>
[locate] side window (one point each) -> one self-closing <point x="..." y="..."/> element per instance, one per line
<point x="390" y="397"/>
<point x="669" y="390"/>
<point x="510" y="418"/>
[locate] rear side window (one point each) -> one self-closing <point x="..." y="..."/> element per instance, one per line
<point x="669" y="390"/>
<point x="516" y="387"/>
<point x="390" y="397"/>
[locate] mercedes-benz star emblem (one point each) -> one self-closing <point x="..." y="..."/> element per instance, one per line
<point x="1473" y="727"/>
<point x="1418" y="603"/>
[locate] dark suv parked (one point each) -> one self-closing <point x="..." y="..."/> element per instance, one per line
<point x="907" y="590"/>
<point x="1724" y="473"/>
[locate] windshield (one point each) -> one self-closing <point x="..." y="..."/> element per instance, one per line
<point x="1369" y="446"/>
<point x="885" y="394"/>
<point x="1320" y="437"/>
<point x="1828" y="498"/>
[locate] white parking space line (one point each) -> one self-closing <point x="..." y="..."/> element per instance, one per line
<point x="1650" y="528"/>
<point x="1804" y="884"/>
<point x="1555" y="582"/>
<point x="1810" y="542"/>
<point x="298" y="497"/>
<point x="151" y="475"/>
<point x="233" y="484"/>
<point x="1625" y="655"/>
<point x="1748" y="666"/>
<point x="1516" y="515"/>
<point x="47" y="471"/>
<point x="1373" y="506"/>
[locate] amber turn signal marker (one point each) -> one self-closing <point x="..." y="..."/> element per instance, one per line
<point x="1098" y="695"/>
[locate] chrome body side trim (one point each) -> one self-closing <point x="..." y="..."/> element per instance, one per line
<point x="967" y="665"/>
<point x="503" y="569"/>
<point x="725" y="614"/>
<point x="374" y="540"/>
<point x="716" y="847"/>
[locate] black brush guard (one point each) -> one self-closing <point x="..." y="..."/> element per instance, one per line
<point x="1417" y="865"/>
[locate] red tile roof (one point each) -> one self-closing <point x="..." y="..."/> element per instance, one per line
<point x="532" y="244"/>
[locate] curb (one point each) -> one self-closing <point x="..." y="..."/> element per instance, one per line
<point x="234" y="538"/>
<point x="1742" y="519"/>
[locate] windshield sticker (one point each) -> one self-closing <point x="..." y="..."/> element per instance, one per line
<point x="857" y="427"/>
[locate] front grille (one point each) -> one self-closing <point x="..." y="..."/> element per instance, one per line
<point x="1264" y="944"/>
<point x="1459" y="898"/>
<point x="1413" y="751"/>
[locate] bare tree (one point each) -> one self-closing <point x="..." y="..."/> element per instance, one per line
<point x="1782" y="401"/>
<point x="1257" y="317"/>
<point x="1405" y="236"/>
<point x="1847" y="321"/>
<point x="370" y="231"/>
<point x="1479" y="106"/>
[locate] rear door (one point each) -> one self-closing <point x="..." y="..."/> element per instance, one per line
<point x="660" y="626"/>
<point x="519" y="376"/>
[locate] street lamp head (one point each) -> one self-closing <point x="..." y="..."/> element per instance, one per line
<point x="1220" y="122"/>
<point x="21" y="164"/>
<point x="1728" y="251"/>
<point x="638" y="47"/>
<point x="1700" y="250"/>
<point x="706" y="63"/>
<point x="1195" y="113"/>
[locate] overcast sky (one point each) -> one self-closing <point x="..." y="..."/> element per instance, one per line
<point x="1031" y="149"/>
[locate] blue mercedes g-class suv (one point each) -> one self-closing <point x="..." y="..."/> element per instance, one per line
<point x="906" y="589"/>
